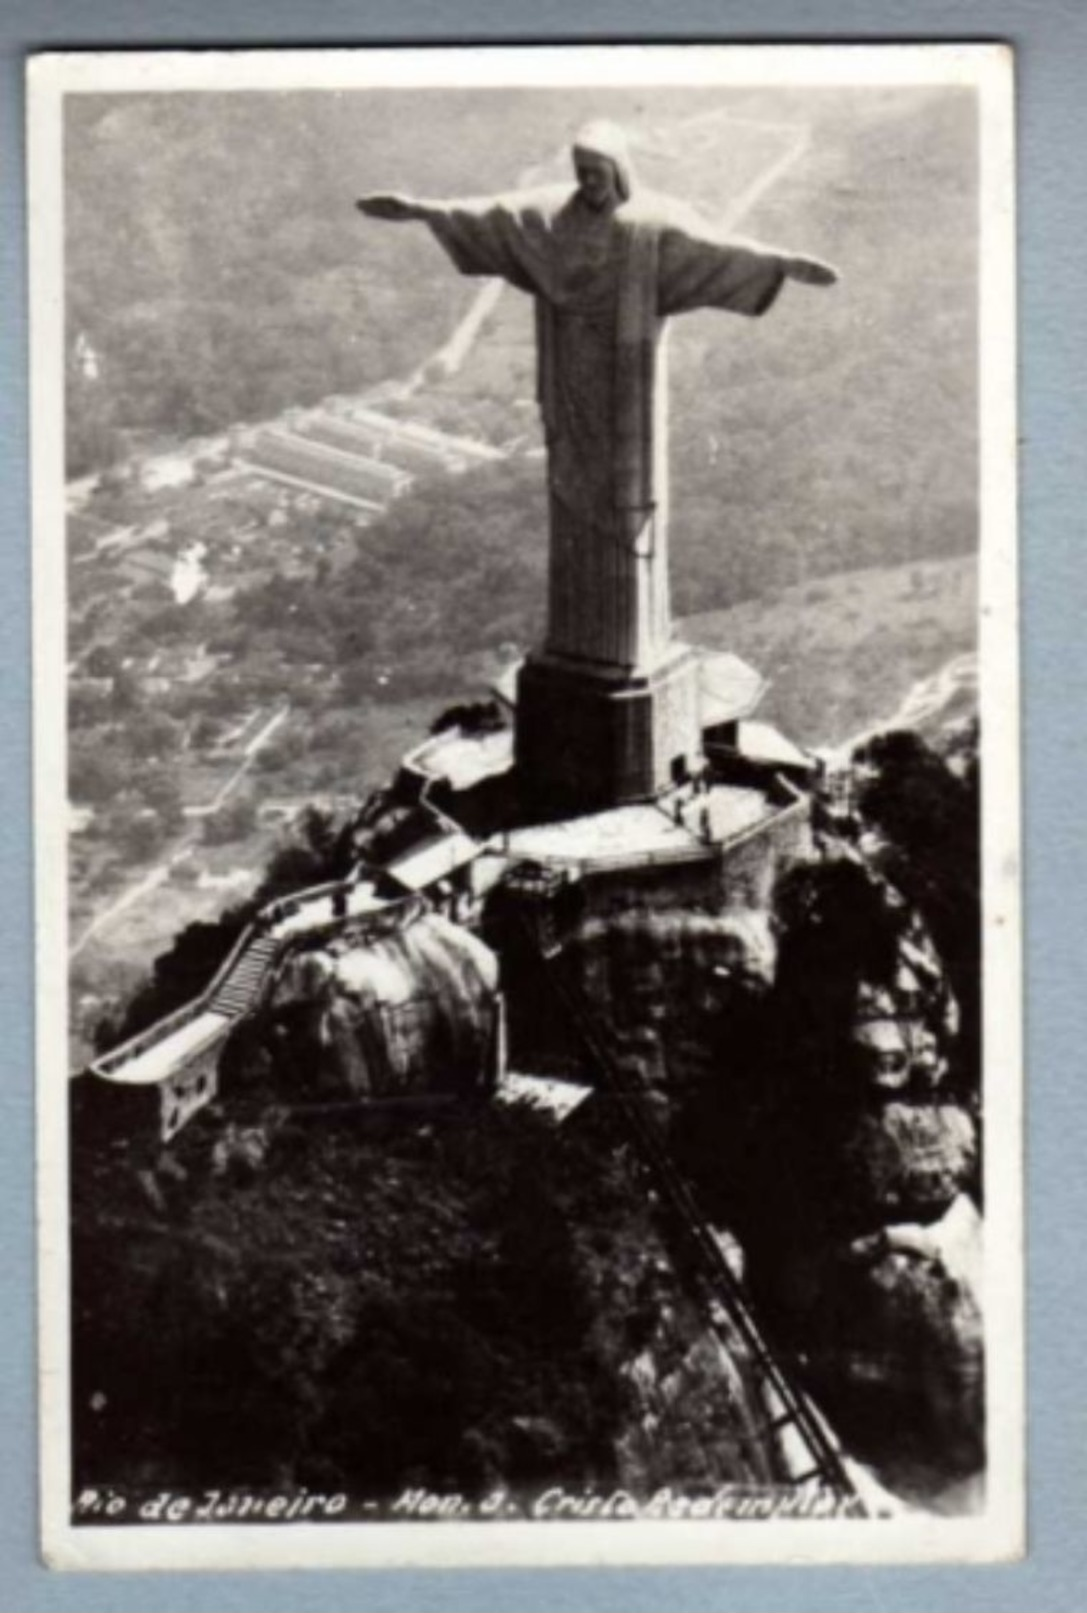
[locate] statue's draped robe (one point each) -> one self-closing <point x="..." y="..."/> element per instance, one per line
<point x="604" y="284"/>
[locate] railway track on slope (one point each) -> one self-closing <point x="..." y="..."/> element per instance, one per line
<point x="791" y="1418"/>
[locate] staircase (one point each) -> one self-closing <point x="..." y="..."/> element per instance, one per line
<point x="238" y="992"/>
<point x="174" y="1062"/>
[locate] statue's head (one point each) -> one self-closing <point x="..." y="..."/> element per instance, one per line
<point x="602" y="164"/>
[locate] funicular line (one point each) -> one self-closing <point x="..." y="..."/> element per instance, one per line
<point x="798" y="1413"/>
<point x="826" y="1462"/>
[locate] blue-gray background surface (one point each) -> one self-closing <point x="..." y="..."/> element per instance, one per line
<point x="1050" y="37"/>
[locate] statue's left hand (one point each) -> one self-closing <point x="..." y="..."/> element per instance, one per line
<point x="811" y="271"/>
<point x="387" y="205"/>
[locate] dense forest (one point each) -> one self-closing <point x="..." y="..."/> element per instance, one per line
<point x="376" y="1304"/>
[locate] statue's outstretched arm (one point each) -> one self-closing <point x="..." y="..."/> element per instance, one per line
<point x="810" y="271"/>
<point x="485" y="235"/>
<point x="394" y="208"/>
<point x="799" y="266"/>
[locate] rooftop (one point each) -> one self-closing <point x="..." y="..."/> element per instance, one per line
<point x="425" y="864"/>
<point x="680" y="825"/>
<point x="558" y="1098"/>
<point x="730" y="688"/>
<point x="761" y="742"/>
<point x="462" y="759"/>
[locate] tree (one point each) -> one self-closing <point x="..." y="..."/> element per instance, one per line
<point x="98" y="768"/>
<point x="837" y="925"/>
<point x="286" y="747"/>
<point x="206" y="730"/>
<point x="124" y="697"/>
<point x="473" y="716"/>
<point x="928" y="820"/>
<point x="136" y="831"/>
<point x="180" y="973"/>
<point x="235" y="820"/>
<point x="319" y="850"/>
<point x="102" y="662"/>
<point x="162" y="794"/>
<point x="912" y="796"/>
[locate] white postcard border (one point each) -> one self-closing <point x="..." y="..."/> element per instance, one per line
<point x="999" y="1534"/>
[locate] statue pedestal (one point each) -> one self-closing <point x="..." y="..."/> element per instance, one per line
<point x="588" y="738"/>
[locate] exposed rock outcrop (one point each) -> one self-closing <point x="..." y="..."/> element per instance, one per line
<point x="802" y="1064"/>
<point x="671" y="983"/>
<point x="414" y="1011"/>
<point x="860" y="1191"/>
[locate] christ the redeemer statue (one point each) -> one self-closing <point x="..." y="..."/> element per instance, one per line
<point x="607" y="267"/>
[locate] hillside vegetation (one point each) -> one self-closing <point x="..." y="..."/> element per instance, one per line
<point x="841" y="653"/>
<point x="455" y="1303"/>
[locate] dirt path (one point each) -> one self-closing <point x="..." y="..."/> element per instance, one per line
<point x="135" y="893"/>
<point x="252" y="751"/>
<point x="158" y="875"/>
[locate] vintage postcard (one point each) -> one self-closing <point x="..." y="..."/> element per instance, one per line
<point x="527" y="806"/>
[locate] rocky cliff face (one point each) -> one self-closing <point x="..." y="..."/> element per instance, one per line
<point x="671" y="984"/>
<point x="867" y="1259"/>
<point x="802" y="1065"/>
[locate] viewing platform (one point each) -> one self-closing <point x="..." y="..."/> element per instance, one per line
<point x="687" y="826"/>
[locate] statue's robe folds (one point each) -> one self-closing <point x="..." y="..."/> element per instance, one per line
<point x="604" y="285"/>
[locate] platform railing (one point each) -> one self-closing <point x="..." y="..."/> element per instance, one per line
<point x="262" y="927"/>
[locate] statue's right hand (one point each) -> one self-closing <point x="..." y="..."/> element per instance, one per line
<point x="386" y="205"/>
<point x="811" y="271"/>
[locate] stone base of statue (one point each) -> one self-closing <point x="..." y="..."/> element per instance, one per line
<point x="588" y="739"/>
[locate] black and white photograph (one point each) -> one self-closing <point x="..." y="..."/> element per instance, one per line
<point x="527" y="805"/>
